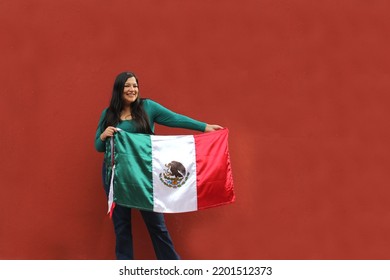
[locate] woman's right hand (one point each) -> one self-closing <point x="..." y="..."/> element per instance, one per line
<point x="108" y="132"/>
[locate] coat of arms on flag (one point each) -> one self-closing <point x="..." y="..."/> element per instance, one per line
<point x="175" y="175"/>
<point x="170" y="174"/>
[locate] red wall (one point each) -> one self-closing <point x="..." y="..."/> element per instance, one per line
<point x="303" y="87"/>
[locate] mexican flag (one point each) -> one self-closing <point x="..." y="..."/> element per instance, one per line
<point x="169" y="174"/>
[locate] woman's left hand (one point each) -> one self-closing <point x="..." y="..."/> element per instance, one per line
<point x="212" y="127"/>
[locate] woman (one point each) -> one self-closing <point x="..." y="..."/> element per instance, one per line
<point x="130" y="112"/>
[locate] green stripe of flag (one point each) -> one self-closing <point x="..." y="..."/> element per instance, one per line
<point x="137" y="187"/>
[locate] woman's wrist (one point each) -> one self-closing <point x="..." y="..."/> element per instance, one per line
<point x="212" y="127"/>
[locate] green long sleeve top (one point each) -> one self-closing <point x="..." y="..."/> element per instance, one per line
<point x="157" y="114"/>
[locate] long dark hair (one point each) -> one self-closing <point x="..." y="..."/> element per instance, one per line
<point x="116" y="105"/>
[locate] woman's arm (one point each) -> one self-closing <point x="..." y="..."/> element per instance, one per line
<point x="100" y="145"/>
<point x="161" y="115"/>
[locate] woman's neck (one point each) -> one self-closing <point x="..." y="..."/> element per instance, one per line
<point x="126" y="113"/>
<point x="126" y="109"/>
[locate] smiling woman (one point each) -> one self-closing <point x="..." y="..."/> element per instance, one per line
<point x="131" y="113"/>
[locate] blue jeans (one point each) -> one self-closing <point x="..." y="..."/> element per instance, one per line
<point x="155" y="224"/>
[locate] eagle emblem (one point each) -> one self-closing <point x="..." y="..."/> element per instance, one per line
<point x="175" y="175"/>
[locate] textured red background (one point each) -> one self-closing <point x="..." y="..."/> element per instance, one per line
<point x="303" y="87"/>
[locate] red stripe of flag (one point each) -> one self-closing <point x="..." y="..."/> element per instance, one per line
<point x="214" y="173"/>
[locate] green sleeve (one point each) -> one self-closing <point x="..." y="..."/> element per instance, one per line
<point x="164" y="116"/>
<point x="100" y="145"/>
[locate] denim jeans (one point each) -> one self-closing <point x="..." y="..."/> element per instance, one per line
<point x="155" y="224"/>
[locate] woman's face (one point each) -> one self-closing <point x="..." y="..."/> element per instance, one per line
<point x="130" y="91"/>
